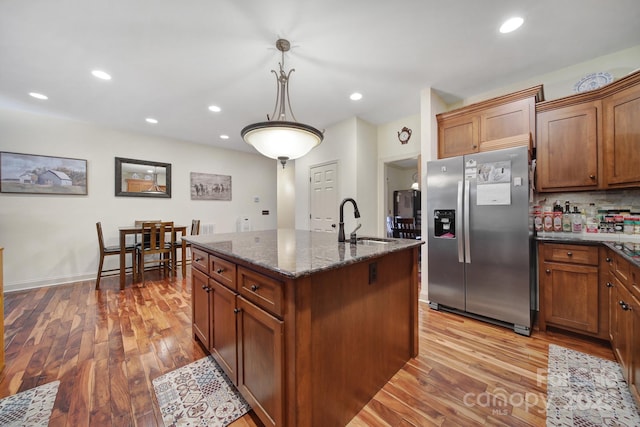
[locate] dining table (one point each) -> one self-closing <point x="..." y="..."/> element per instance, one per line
<point x="127" y="230"/>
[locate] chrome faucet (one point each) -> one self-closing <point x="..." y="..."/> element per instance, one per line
<point x="356" y="214"/>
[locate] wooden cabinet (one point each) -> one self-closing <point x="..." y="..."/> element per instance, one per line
<point x="567" y="148"/>
<point x="590" y="140"/>
<point x="622" y="137"/>
<point x="503" y="122"/>
<point x="200" y="307"/>
<point x="569" y="289"/>
<point x="242" y="333"/>
<point x="261" y="362"/>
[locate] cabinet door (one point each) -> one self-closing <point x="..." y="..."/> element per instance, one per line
<point x="624" y="327"/>
<point x="570" y="296"/>
<point x="200" y="307"/>
<point x="458" y="136"/>
<point x="261" y="362"/>
<point x="634" y="358"/>
<point x="506" y="120"/>
<point x="567" y="147"/>
<point x="223" y="329"/>
<point x="622" y="138"/>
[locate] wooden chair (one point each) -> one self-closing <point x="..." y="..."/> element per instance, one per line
<point x="195" y="230"/>
<point x="156" y="244"/>
<point x="406" y="228"/>
<point x="111" y="250"/>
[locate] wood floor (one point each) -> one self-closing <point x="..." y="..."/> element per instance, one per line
<point x="107" y="346"/>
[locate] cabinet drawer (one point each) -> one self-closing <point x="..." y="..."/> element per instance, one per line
<point x="200" y="259"/>
<point x="574" y="254"/>
<point x="223" y="271"/>
<point x="620" y="268"/>
<point x="263" y="291"/>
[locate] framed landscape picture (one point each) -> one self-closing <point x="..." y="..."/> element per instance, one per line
<point x="37" y="174"/>
<point x="206" y="186"/>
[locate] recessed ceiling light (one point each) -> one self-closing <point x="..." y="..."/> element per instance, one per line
<point x="101" y="75"/>
<point x="151" y="120"/>
<point x="38" y="95"/>
<point x="355" y="96"/>
<point x="214" y="108"/>
<point x="511" y="24"/>
<point x="224" y="136"/>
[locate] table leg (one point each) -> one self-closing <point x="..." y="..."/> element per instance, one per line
<point x="123" y="259"/>
<point x="184" y="259"/>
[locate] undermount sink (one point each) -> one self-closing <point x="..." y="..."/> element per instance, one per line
<point x="373" y="241"/>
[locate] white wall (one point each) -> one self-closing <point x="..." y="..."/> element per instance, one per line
<point x="51" y="239"/>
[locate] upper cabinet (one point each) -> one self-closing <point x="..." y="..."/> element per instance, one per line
<point x="506" y="121"/>
<point x="591" y="140"/>
<point x="622" y="136"/>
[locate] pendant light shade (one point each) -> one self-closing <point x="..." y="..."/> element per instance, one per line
<point x="282" y="139"/>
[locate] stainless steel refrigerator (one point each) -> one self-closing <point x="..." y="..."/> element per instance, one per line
<point x="480" y="237"/>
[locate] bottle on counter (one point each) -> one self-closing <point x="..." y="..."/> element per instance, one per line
<point x="547" y="219"/>
<point x="557" y="217"/>
<point x="567" y="218"/>
<point x="591" y="221"/>
<point x="537" y="218"/>
<point x="576" y="221"/>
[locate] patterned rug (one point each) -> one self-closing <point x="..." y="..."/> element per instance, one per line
<point x="199" y="394"/>
<point x="584" y="390"/>
<point x="29" y="408"/>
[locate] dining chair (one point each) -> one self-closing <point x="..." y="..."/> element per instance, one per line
<point x="111" y="250"/>
<point x="156" y="245"/>
<point x="406" y="228"/>
<point x="194" y="231"/>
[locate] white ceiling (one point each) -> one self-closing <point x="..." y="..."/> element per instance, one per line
<point x="171" y="59"/>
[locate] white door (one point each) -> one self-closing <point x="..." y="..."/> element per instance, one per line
<point x="324" y="197"/>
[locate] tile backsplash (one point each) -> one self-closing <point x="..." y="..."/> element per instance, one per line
<point x="613" y="199"/>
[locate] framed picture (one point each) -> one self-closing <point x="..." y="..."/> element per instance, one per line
<point x="142" y="178"/>
<point x="36" y="174"/>
<point x="206" y="186"/>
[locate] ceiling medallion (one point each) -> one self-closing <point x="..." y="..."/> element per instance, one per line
<point x="280" y="137"/>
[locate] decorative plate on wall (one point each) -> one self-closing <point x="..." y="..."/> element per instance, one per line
<point x="592" y="81"/>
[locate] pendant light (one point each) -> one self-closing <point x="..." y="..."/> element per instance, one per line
<point x="280" y="137"/>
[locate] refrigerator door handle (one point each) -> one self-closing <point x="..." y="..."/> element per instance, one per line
<point x="467" y="229"/>
<point x="458" y="230"/>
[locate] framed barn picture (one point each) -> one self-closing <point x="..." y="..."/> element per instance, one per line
<point x="37" y="174"/>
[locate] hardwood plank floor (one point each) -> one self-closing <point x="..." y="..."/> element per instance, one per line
<point x="107" y="346"/>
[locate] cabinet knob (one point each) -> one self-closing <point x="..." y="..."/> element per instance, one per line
<point x="569" y="253"/>
<point x="592" y="176"/>
<point x="475" y="146"/>
<point x="547" y="271"/>
<point x="236" y="310"/>
<point x="204" y="287"/>
<point x="609" y="285"/>
<point x="198" y="259"/>
<point x="608" y="259"/>
<point x="624" y="305"/>
<point x="220" y="270"/>
<point x="254" y="287"/>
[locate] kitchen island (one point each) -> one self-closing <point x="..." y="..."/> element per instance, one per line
<point x="307" y="328"/>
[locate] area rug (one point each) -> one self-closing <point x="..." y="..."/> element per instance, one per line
<point x="584" y="390"/>
<point x="198" y="394"/>
<point x="30" y="407"/>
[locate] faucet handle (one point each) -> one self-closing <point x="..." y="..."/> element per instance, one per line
<point x="352" y="236"/>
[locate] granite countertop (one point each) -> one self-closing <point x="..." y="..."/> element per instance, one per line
<point x="295" y="253"/>
<point x="628" y="246"/>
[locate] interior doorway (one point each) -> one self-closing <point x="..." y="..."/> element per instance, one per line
<point x="401" y="177"/>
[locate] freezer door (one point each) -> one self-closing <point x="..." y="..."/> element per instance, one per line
<point x="446" y="263"/>
<point x="497" y="268"/>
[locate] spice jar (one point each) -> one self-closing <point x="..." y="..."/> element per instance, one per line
<point x="547" y="219"/>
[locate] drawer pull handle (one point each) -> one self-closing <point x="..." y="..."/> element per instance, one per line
<point x="569" y="253"/>
<point x="236" y="310"/>
<point x="220" y="270"/>
<point x="198" y="259"/>
<point x="255" y="287"/>
<point x="547" y="271"/>
<point x="609" y="285"/>
<point x="624" y="305"/>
